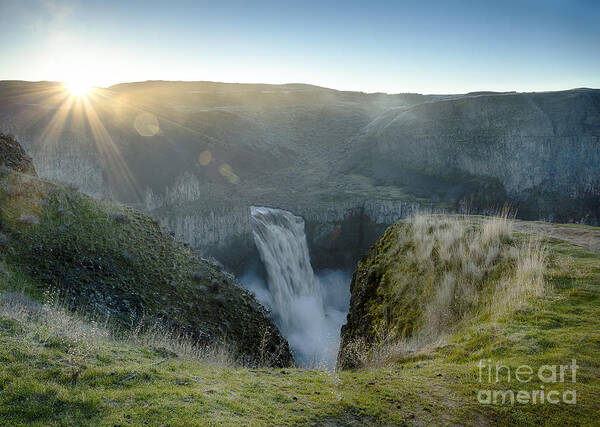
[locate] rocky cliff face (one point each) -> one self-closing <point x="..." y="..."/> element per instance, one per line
<point x="337" y="233"/>
<point x="13" y="157"/>
<point x="540" y="151"/>
<point x="349" y="163"/>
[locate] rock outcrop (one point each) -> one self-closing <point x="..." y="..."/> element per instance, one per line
<point x="427" y="276"/>
<point x="12" y="156"/>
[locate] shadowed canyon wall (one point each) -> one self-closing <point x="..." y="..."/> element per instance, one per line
<point x="198" y="155"/>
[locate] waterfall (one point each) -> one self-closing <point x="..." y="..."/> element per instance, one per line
<point x="281" y="242"/>
<point x="310" y="324"/>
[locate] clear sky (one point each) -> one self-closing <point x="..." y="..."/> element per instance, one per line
<point x="378" y="45"/>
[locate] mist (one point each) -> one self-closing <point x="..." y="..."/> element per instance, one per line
<point x="315" y="335"/>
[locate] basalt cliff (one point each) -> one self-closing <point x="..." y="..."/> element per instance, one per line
<point x="196" y="155"/>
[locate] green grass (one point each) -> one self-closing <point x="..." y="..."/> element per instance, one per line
<point x="61" y="382"/>
<point x="115" y="261"/>
<point x="428" y="275"/>
<point x="580" y="226"/>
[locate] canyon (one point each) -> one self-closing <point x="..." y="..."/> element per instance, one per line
<point x="197" y="155"/>
<point x="293" y="235"/>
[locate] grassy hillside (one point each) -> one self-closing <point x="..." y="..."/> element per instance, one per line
<point x="119" y="264"/>
<point x="72" y="371"/>
<point x="429" y="275"/>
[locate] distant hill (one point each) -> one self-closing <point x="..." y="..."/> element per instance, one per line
<point x="196" y="155"/>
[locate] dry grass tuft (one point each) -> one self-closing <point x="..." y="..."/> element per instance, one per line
<point x="51" y="323"/>
<point x="443" y="271"/>
<point x="51" y="320"/>
<point x="181" y="345"/>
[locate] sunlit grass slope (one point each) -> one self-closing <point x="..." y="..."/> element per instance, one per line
<point x="82" y="374"/>
<point x="430" y="275"/>
<point x="117" y="263"/>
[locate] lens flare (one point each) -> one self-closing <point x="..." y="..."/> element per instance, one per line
<point x="205" y="158"/>
<point x="146" y="124"/>
<point x="227" y="172"/>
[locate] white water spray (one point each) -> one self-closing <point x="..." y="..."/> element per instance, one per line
<point x="304" y="313"/>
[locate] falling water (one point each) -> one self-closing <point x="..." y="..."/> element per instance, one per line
<point x="303" y="312"/>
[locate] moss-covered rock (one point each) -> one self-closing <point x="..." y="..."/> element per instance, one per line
<point x="115" y="261"/>
<point x="429" y="274"/>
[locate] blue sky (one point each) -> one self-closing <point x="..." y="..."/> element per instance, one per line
<point x="389" y="46"/>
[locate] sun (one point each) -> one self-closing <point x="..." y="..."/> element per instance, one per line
<point x="78" y="89"/>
